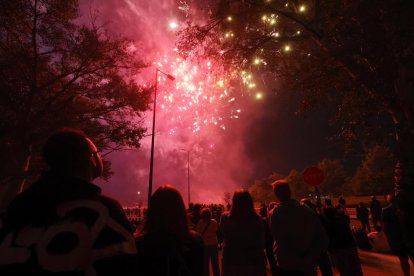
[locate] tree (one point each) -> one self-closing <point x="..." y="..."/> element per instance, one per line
<point x="54" y="72"/>
<point x="356" y="54"/>
<point x="298" y="188"/>
<point x="375" y="175"/>
<point x="335" y="177"/>
<point x="262" y="190"/>
<point x="227" y="198"/>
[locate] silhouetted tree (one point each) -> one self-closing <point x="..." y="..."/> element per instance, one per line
<point x="375" y="175"/>
<point x="299" y="188"/>
<point x="227" y="197"/>
<point x="54" y="72"/>
<point x="335" y="177"/>
<point x="261" y="191"/>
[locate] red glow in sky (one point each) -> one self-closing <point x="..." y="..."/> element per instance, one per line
<point x="200" y="111"/>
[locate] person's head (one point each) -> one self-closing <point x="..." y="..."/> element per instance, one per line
<point x="70" y="152"/>
<point x="196" y="208"/>
<point x="281" y="190"/>
<point x="205" y="214"/>
<point x="390" y="198"/>
<point x="190" y="207"/>
<point x="373" y="198"/>
<point x="328" y="202"/>
<point x="166" y="213"/>
<point x="242" y="204"/>
<point x="341" y="200"/>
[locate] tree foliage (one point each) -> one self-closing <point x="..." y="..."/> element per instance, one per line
<point x="335" y="177"/>
<point x="298" y="188"/>
<point x="56" y="71"/>
<point x="262" y="190"/>
<point x="375" y="174"/>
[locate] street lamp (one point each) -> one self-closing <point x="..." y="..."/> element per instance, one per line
<point x="188" y="175"/>
<point x="170" y="77"/>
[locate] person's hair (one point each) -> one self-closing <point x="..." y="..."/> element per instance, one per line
<point x="281" y="189"/>
<point x="242" y="205"/>
<point x="166" y="214"/>
<point x="205" y="214"/>
<point x="196" y="208"/>
<point x="67" y="150"/>
<point x="328" y="202"/>
<point x="377" y="228"/>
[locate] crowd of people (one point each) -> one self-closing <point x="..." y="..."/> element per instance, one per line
<point x="63" y="225"/>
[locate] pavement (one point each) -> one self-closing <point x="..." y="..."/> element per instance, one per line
<point x="377" y="264"/>
<point x="373" y="264"/>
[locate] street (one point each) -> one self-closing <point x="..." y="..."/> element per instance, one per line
<point x="376" y="264"/>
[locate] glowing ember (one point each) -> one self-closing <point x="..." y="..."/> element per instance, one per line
<point x="173" y="25"/>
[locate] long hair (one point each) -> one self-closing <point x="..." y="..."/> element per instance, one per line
<point x="166" y="213"/>
<point x="242" y="206"/>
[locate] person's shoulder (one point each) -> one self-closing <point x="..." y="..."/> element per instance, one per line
<point x="387" y="209"/>
<point x="195" y="239"/>
<point x="143" y="239"/>
<point x="194" y="235"/>
<point x="225" y="216"/>
<point x="275" y="210"/>
<point x="115" y="210"/>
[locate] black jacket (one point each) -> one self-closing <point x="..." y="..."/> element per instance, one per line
<point x="63" y="226"/>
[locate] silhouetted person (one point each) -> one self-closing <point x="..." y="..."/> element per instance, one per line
<point x="393" y="231"/>
<point x="62" y="225"/>
<point x="342" y="205"/>
<point x="268" y="241"/>
<point x="342" y="201"/>
<point x="244" y="238"/>
<point x="342" y="246"/>
<point x="166" y="245"/>
<point x="299" y="237"/>
<point x="376" y="210"/>
<point x="195" y="215"/>
<point x="324" y="263"/>
<point x="208" y="227"/>
<point x="362" y="214"/>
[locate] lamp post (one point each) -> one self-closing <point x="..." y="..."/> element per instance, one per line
<point x="170" y="77"/>
<point x="188" y="175"/>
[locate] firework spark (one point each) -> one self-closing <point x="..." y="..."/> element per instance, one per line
<point x="200" y="97"/>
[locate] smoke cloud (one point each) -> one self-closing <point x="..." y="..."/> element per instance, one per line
<point x="217" y="156"/>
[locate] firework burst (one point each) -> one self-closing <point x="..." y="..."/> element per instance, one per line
<point x="198" y="99"/>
